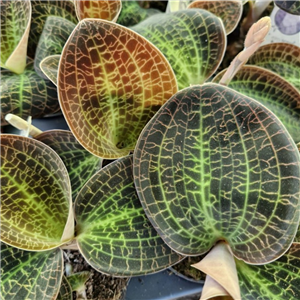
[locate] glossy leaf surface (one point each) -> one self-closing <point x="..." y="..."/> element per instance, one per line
<point x="65" y="291"/>
<point x="35" y="195"/>
<point x="81" y="164"/>
<point x="27" y="94"/>
<point x="98" y="9"/>
<point x="271" y="90"/>
<point x="192" y="40"/>
<point x="214" y="165"/>
<point x="41" y="9"/>
<point x="54" y="36"/>
<point x="49" y="66"/>
<point x="230" y="11"/>
<point x="111" y="81"/>
<point x="281" y="58"/>
<point x="30" y="275"/>
<point x="114" y="235"/>
<point x="290" y="6"/>
<point x="277" y="280"/>
<point x="15" y="24"/>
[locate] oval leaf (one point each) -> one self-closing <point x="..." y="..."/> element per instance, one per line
<point x="114" y="235"/>
<point x="272" y="91"/>
<point x="230" y="11"/>
<point x="81" y="164"/>
<point x="281" y="58"/>
<point x="15" y="25"/>
<point x="27" y="94"/>
<point x="30" y="275"/>
<point x="105" y="9"/>
<point x="35" y="194"/>
<point x="53" y="38"/>
<point x="290" y="6"/>
<point x="214" y="165"/>
<point x="192" y="40"/>
<point x="111" y="81"/>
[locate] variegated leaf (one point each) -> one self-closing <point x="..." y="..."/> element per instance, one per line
<point x="49" y="66"/>
<point x="290" y="6"/>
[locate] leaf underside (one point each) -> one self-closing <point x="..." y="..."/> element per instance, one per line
<point x="290" y="6"/>
<point x="213" y="165"/>
<point x="81" y="164"/>
<point x="35" y="194"/>
<point x="111" y="81"/>
<point x="281" y="58"/>
<point x="49" y="67"/>
<point x="193" y="41"/>
<point x="114" y="235"/>
<point x="271" y="90"/>
<point x="30" y="275"/>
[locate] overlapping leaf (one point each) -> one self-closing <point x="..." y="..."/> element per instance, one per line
<point x="49" y="66"/>
<point x="290" y="6"/>
<point x="54" y="36"/>
<point x="65" y="291"/>
<point x="103" y="9"/>
<point x="114" y="234"/>
<point x="281" y="58"/>
<point x="277" y="280"/>
<point x="15" y="24"/>
<point x="111" y="81"/>
<point x="192" y="40"/>
<point x="41" y="9"/>
<point x="36" y="204"/>
<point x="27" y="94"/>
<point x="230" y="11"/>
<point x="81" y="164"/>
<point x="272" y="91"/>
<point x="30" y="275"/>
<point x="213" y="165"/>
<point x="132" y="13"/>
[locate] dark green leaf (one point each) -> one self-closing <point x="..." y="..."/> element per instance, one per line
<point x="65" y="292"/>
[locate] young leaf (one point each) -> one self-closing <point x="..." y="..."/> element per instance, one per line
<point x="49" y="66"/>
<point x="30" y="275"/>
<point x="36" y="206"/>
<point x="41" y="9"/>
<point x="291" y="7"/>
<point x="271" y="90"/>
<point x="27" y="94"/>
<point x="113" y="233"/>
<point x="230" y="11"/>
<point x="104" y="9"/>
<point x="111" y="81"/>
<point x="81" y="164"/>
<point x="281" y="58"/>
<point x="77" y="282"/>
<point x="15" y="25"/>
<point x="277" y="280"/>
<point x="52" y="40"/>
<point x="65" y="291"/>
<point x="214" y="165"/>
<point x="192" y="40"/>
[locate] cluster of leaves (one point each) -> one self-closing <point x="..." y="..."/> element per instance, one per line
<point x="214" y="166"/>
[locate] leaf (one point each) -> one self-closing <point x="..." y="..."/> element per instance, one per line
<point x="113" y="233"/>
<point x="27" y="94"/>
<point x="192" y="40"/>
<point x="277" y="280"/>
<point x="49" y="66"/>
<point x="77" y="280"/>
<point x="272" y="91"/>
<point x="35" y="194"/>
<point x="41" y="9"/>
<point x="291" y="7"/>
<point x="81" y="164"/>
<point x="281" y="58"/>
<point x="230" y="11"/>
<point x="132" y="13"/>
<point x="15" y="25"/>
<point x="106" y="9"/>
<point x="52" y="40"/>
<point x="215" y="165"/>
<point x="111" y="81"/>
<point x="65" y="292"/>
<point x="30" y="275"/>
